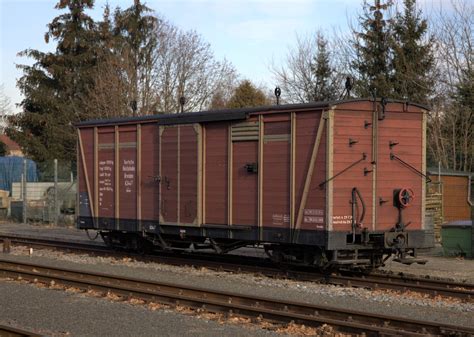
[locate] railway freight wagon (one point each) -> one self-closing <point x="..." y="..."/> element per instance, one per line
<point x="327" y="183"/>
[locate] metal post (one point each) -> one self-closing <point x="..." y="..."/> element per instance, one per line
<point x="182" y="101"/>
<point x="56" y="206"/>
<point x="24" y="180"/>
<point x="6" y="246"/>
<point x="439" y="177"/>
<point x="277" y="94"/>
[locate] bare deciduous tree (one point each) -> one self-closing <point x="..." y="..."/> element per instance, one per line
<point x="451" y="129"/>
<point x="295" y="76"/>
<point x="174" y="64"/>
<point x="5" y="107"/>
<point x="187" y="67"/>
<point x="308" y="72"/>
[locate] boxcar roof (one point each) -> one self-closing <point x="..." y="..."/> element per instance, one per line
<point x="223" y="114"/>
<point x="433" y="171"/>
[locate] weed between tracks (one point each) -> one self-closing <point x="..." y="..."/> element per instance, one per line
<point x="287" y="329"/>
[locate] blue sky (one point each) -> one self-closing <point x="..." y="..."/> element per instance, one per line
<point x="248" y="33"/>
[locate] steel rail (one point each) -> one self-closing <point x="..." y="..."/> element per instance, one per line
<point x="464" y="291"/>
<point x="230" y="303"/>
<point x="9" y="331"/>
<point x="232" y="263"/>
<point x="55" y="243"/>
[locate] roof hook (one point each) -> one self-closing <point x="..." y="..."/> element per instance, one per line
<point x="346" y="93"/>
<point x="182" y="101"/>
<point x="348" y="85"/>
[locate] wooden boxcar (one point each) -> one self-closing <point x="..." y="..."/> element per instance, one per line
<point x="324" y="183"/>
<point x="456" y="190"/>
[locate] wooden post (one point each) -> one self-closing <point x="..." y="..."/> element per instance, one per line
<point x="6" y="246"/>
<point x="25" y="191"/>
<point x="56" y="203"/>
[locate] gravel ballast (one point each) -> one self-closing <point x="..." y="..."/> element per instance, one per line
<point x="407" y="305"/>
<point x="61" y="313"/>
<point x="410" y="306"/>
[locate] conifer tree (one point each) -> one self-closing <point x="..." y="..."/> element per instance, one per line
<point x="247" y="95"/>
<point x="372" y="46"/>
<point x="324" y="88"/>
<point x="136" y="29"/>
<point x="412" y="60"/>
<point x="55" y="85"/>
<point x="109" y="96"/>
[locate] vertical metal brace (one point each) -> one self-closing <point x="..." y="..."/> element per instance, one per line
<point x="375" y="129"/>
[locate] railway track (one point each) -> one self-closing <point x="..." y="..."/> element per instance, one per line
<point x="9" y="331"/>
<point x="233" y="263"/>
<point x="229" y="303"/>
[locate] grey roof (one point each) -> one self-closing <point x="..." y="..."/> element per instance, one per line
<point x="224" y="114"/>
<point x="448" y="172"/>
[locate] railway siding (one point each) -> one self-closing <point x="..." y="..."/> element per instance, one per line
<point x="387" y="303"/>
<point x="229" y="302"/>
<point x="375" y="281"/>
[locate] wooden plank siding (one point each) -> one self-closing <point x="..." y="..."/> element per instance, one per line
<point x="216" y="172"/>
<point x="455" y="197"/>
